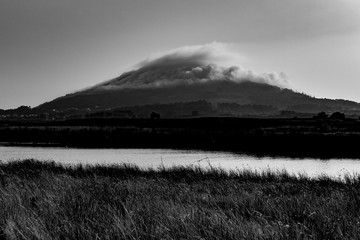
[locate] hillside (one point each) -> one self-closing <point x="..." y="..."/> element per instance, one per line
<point x="192" y="82"/>
<point x="245" y="93"/>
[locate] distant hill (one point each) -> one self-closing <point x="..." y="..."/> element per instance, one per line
<point x="149" y="86"/>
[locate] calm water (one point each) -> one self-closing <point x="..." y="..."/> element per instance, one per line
<point x="156" y="157"/>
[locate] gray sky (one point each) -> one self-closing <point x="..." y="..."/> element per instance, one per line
<point x="49" y="48"/>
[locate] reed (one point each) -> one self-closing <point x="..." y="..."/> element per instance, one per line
<point x="47" y="200"/>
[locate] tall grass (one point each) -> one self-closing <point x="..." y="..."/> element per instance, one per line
<point x="45" y="200"/>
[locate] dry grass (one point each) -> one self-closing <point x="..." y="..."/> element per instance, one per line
<point x="44" y="200"/>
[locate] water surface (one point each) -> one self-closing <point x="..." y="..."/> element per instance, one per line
<point x="168" y="158"/>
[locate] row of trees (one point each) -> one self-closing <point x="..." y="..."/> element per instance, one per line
<point x="19" y="110"/>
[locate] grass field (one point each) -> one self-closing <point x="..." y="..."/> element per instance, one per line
<point x="45" y="200"/>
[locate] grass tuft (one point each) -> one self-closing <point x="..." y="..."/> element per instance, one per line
<point x="47" y="200"/>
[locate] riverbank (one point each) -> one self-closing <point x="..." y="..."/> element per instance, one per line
<point x="45" y="200"/>
<point x="297" y="138"/>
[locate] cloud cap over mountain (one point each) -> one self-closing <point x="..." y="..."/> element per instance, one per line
<point x="188" y="65"/>
<point x="210" y="72"/>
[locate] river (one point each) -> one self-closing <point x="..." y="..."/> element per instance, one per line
<point x="167" y="157"/>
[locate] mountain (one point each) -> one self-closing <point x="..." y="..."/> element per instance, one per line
<point x="191" y="82"/>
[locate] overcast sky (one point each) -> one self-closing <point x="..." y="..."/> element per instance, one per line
<point x="49" y="48"/>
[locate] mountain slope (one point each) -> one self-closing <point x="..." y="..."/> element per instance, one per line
<point x="191" y="82"/>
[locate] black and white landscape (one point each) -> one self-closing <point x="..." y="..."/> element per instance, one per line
<point x="193" y="119"/>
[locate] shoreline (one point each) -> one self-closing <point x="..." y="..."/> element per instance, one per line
<point x="298" y="138"/>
